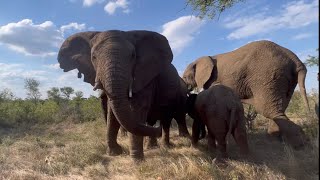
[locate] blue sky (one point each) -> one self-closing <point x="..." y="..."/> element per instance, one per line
<point x="32" y="31"/>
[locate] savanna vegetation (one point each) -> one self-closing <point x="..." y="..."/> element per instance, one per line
<point x="63" y="137"/>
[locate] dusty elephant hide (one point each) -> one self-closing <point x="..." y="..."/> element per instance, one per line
<point x="261" y="73"/>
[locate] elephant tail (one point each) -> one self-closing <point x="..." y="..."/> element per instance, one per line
<point x="232" y="122"/>
<point x="301" y="82"/>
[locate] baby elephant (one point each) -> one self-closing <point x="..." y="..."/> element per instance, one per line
<point x="221" y="110"/>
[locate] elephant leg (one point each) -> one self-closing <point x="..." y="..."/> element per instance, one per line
<point x="136" y="147"/>
<point x="151" y="141"/>
<point x="211" y="142"/>
<point x="291" y="132"/>
<point x="221" y="147"/>
<point x="272" y="103"/>
<point x="113" y="148"/>
<point x="202" y="131"/>
<point x="274" y="130"/>
<point x="240" y="136"/>
<point x="165" y="140"/>
<point x="182" y="125"/>
<point x="195" y="132"/>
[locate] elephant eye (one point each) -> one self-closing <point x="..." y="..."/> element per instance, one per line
<point x="93" y="58"/>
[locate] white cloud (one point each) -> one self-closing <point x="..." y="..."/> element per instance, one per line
<point x="293" y="15"/>
<point x="31" y="39"/>
<point x="88" y="3"/>
<point x="112" y="6"/>
<point x="73" y="26"/>
<point x="35" y="39"/>
<point x="53" y="66"/>
<point x="302" y="36"/>
<point x="180" y="32"/>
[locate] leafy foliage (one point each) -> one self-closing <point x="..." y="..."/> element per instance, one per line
<point x="312" y="60"/>
<point x="6" y="95"/>
<point x="54" y="94"/>
<point x="250" y="115"/>
<point x="67" y="91"/>
<point x="13" y="111"/>
<point x="210" y="8"/>
<point x="32" y="87"/>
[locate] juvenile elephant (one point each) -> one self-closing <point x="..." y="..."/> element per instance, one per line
<point x="262" y="74"/>
<point x="221" y="110"/>
<point x="127" y="64"/>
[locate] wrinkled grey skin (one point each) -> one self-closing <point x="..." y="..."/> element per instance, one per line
<point x="170" y="102"/>
<point x="127" y="64"/>
<point x="261" y="73"/>
<point x="221" y="110"/>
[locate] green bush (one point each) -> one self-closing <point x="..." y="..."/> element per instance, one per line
<point x="86" y="109"/>
<point x="47" y="111"/>
<point x="17" y="111"/>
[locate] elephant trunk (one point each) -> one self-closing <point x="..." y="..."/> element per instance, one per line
<point x="116" y="80"/>
<point x="132" y="121"/>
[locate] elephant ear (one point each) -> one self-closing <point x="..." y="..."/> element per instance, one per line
<point x="153" y="54"/>
<point x="75" y="52"/>
<point x="204" y="72"/>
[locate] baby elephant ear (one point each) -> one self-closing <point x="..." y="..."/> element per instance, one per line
<point x="153" y="54"/>
<point x="204" y="72"/>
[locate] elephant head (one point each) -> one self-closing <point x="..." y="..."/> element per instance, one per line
<point x="123" y="63"/>
<point x="75" y="53"/>
<point x="200" y="73"/>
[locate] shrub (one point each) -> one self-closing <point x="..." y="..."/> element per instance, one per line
<point x="47" y="111"/>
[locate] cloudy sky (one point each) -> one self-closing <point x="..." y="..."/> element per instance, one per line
<point x="32" y="31"/>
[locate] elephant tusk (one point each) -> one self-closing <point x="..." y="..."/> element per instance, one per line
<point x="130" y="93"/>
<point x="130" y="88"/>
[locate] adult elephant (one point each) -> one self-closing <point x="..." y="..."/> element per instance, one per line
<point x="263" y="74"/>
<point x="127" y="65"/>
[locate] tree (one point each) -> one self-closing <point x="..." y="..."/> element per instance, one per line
<point x="79" y="94"/>
<point x="54" y="94"/>
<point x="6" y="94"/>
<point x="210" y="8"/>
<point x="67" y="91"/>
<point x="32" y="87"/>
<point x="312" y="60"/>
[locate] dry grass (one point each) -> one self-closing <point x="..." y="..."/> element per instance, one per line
<point x="77" y="151"/>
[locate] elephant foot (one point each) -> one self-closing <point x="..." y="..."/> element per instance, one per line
<point x="114" y="150"/>
<point x="291" y="133"/>
<point x="297" y="143"/>
<point x="273" y="132"/>
<point x="137" y="158"/>
<point x="166" y="144"/>
<point x="184" y="134"/>
<point x="152" y="143"/>
<point x="220" y="162"/>
<point x="194" y="145"/>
